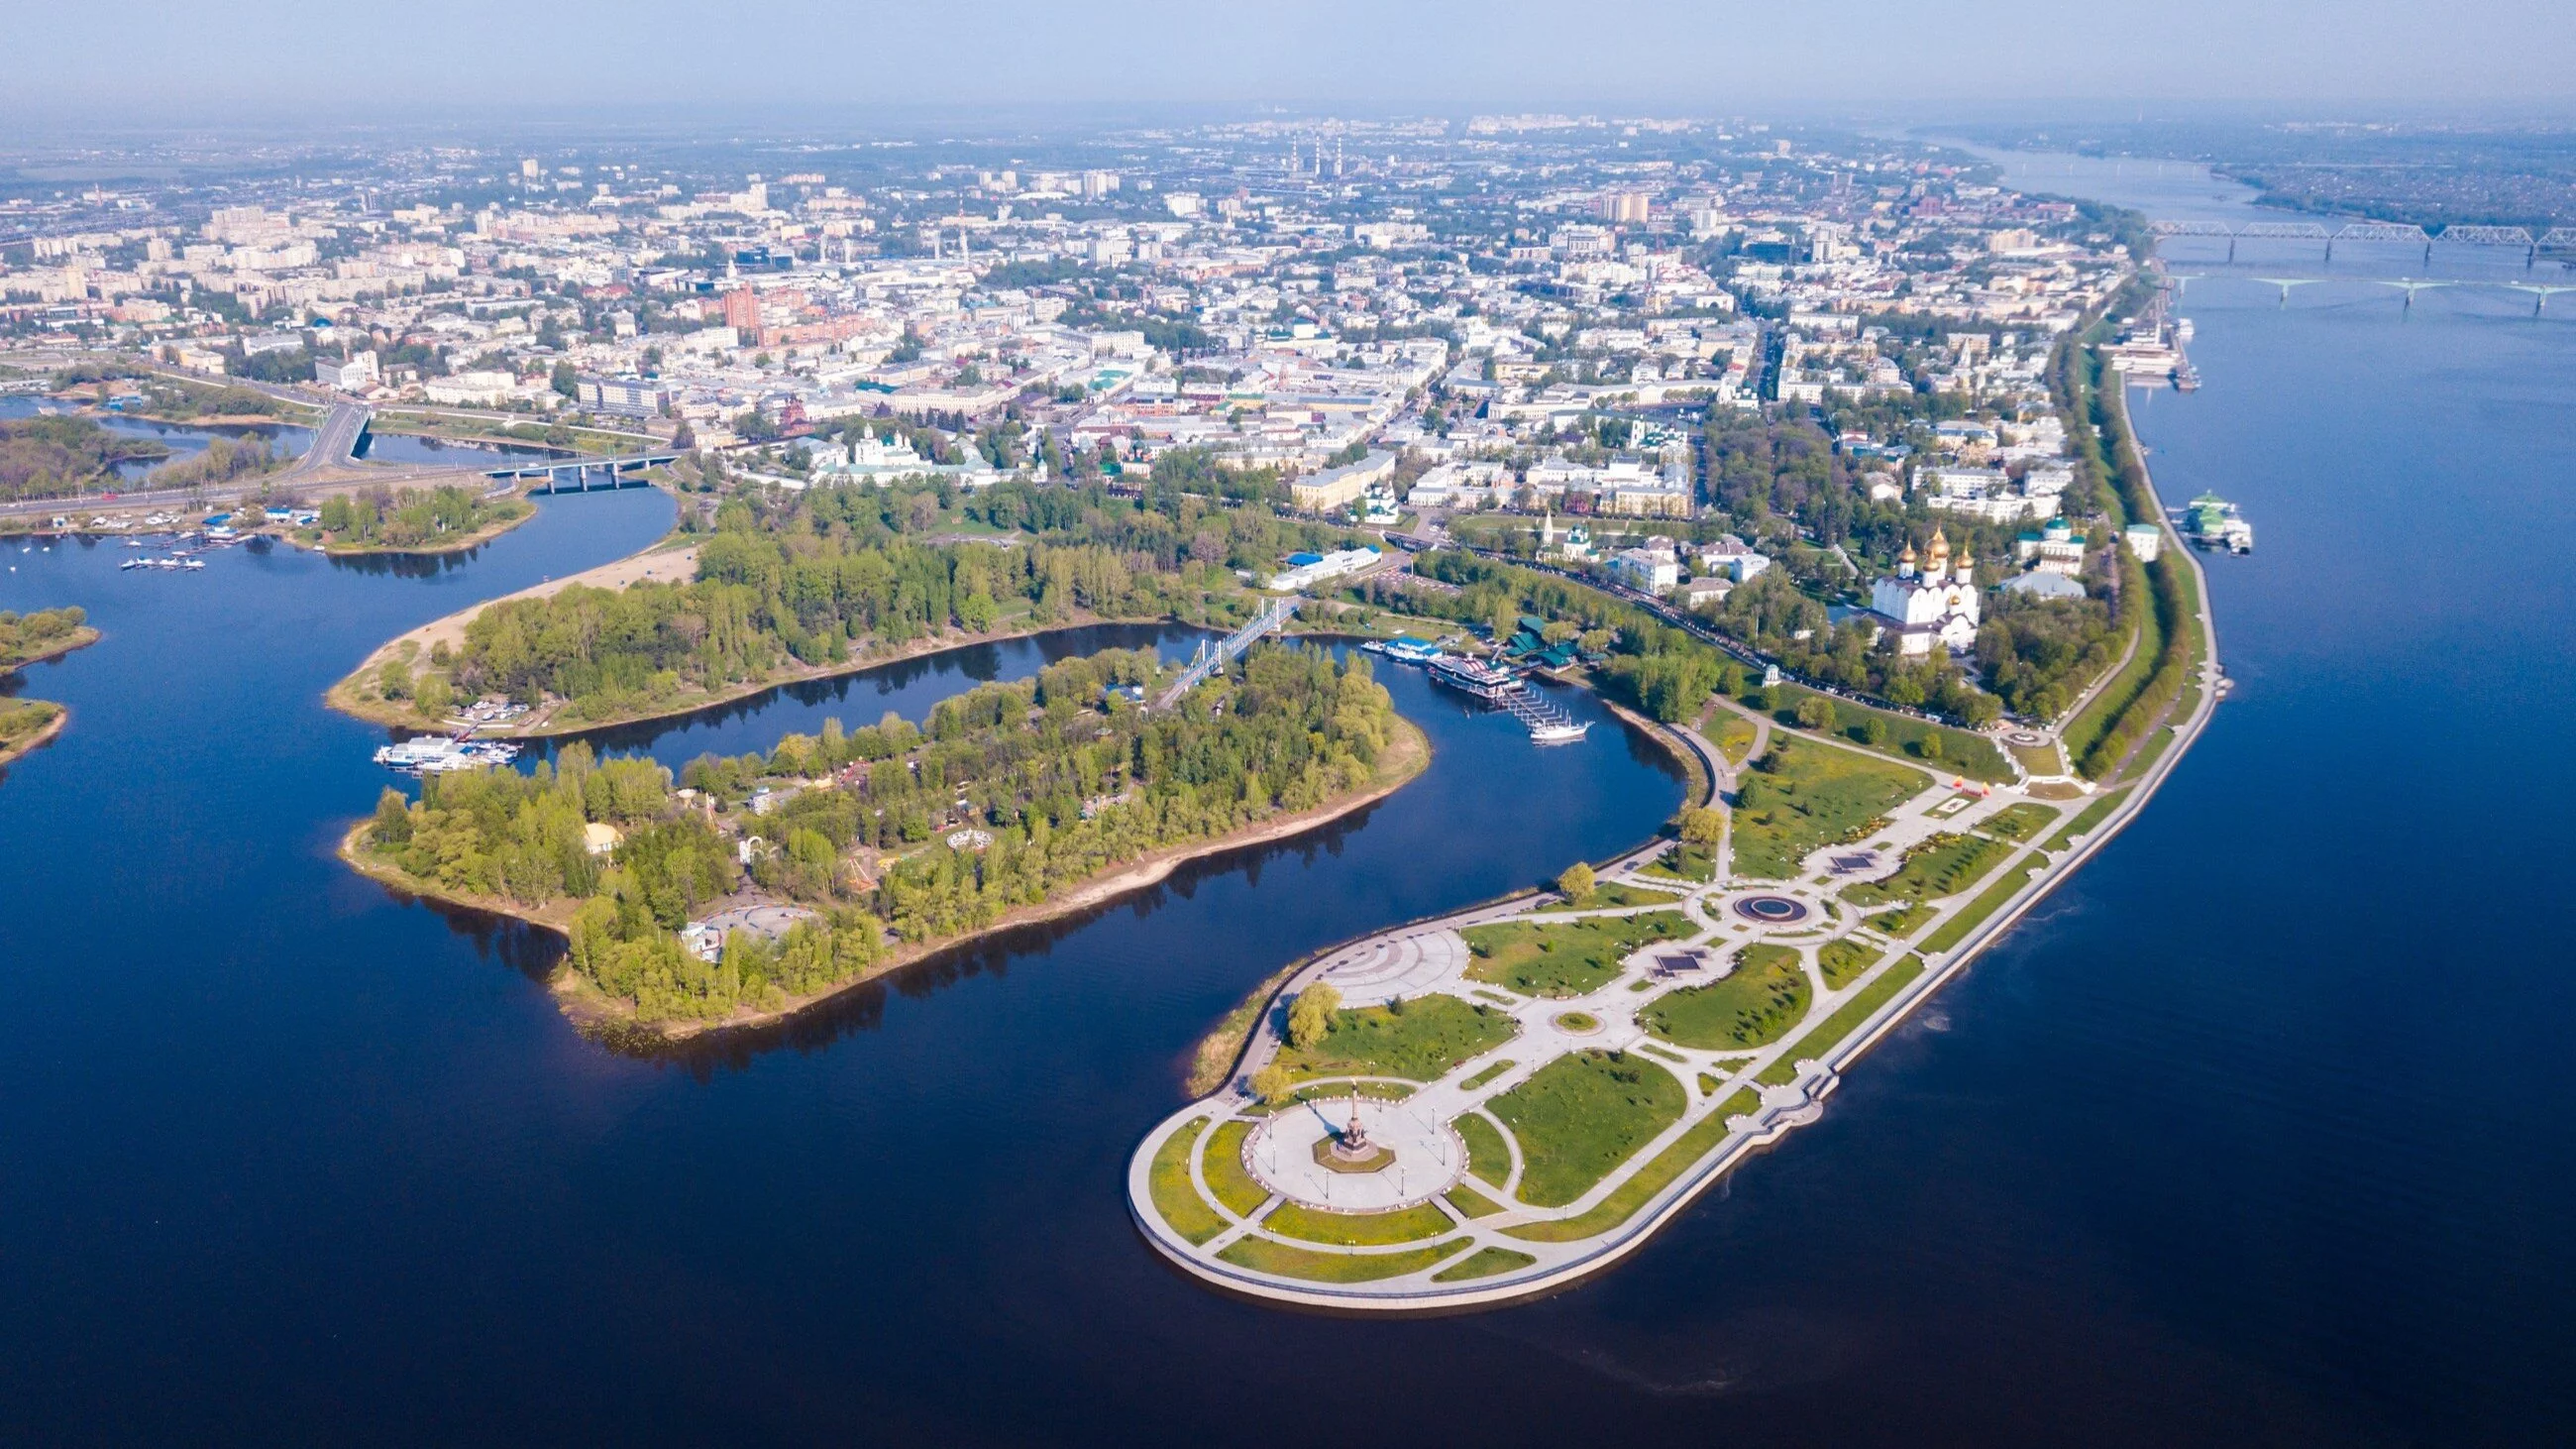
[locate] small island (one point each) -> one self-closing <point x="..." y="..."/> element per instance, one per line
<point x="25" y="639"/>
<point x="763" y="884"/>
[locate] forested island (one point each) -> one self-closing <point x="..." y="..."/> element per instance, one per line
<point x="415" y="520"/>
<point x="25" y="639"/>
<point x="1009" y="803"/>
<point x="796" y="585"/>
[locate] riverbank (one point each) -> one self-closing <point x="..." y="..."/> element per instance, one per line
<point x="472" y="538"/>
<point x="1406" y="757"/>
<point x="11" y="751"/>
<point x="357" y="695"/>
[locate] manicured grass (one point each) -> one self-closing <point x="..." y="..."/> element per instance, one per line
<point x="1676" y="1058"/>
<point x="1843" y="961"/>
<point x="2092" y="815"/>
<point x="1567" y="959"/>
<point x="1176" y="1198"/>
<point x="1486" y="1075"/>
<point x="1420" y="1040"/>
<point x="2020" y="822"/>
<point x="1956" y="929"/>
<point x="1756" y="1004"/>
<point x="1623" y="1201"/>
<point x="1483" y="1263"/>
<point x="1222" y="1166"/>
<point x="1897" y="923"/>
<point x="1733" y="735"/>
<point x="1357" y="1230"/>
<point x="1488" y="1156"/>
<point x="1471" y="1203"/>
<point x="2039" y="759"/>
<point x="1845" y="1020"/>
<point x="1280" y="1260"/>
<point x="1686" y="863"/>
<point x="1941" y="866"/>
<point x="1960" y="752"/>
<point x="1813" y="795"/>
<point x="1582" y="1115"/>
<point x="1616" y="896"/>
<point x="1578" y="1021"/>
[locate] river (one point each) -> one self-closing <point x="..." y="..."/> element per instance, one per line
<point x="2253" y="1134"/>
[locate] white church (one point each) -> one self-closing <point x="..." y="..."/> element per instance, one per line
<point x="1938" y="604"/>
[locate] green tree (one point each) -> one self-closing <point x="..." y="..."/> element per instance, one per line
<point x="1576" y="884"/>
<point x="1311" y="1015"/>
<point x="1873" y="731"/>
<point x="1272" y="1084"/>
<point x="1817" y="712"/>
<point x="567" y="379"/>
<point x="1703" y="825"/>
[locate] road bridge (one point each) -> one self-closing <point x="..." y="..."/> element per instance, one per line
<point x="2555" y="239"/>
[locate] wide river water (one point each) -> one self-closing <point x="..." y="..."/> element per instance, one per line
<point x="2255" y="1134"/>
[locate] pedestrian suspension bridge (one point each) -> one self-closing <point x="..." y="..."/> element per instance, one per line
<point x="1212" y="657"/>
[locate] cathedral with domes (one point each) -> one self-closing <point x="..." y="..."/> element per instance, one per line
<point x="1936" y="605"/>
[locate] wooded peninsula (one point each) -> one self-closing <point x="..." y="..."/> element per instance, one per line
<point x="1009" y="803"/>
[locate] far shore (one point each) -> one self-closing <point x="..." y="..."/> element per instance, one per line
<point x="11" y="754"/>
<point x="1406" y="758"/>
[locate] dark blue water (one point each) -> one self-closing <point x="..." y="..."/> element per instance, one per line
<point x="287" y="1157"/>
<point x="2255" y="1135"/>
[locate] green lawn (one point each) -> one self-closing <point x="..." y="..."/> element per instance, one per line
<point x="1814" y="795"/>
<point x="1958" y="752"/>
<point x="1488" y="1156"/>
<point x="1898" y="923"/>
<point x="1733" y="735"/>
<point x="1843" y="961"/>
<point x="1617" y="896"/>
<point x="1483" y="1263"/>
<point x="1845" y="1020"/>
<point x="1357" y="1230"/>
<point x="1686" y="863"/>
<point x="2091" y="816"/>
<point x="1941" y="866"/>
<point x="1226" y="1175"/>
<point x="1487" y="1074"/>
<point x="1263" y="1256"/>
<point x="1420" y="1040"/>
<point x="1667" y="1166"/>
<point x="2021" y="821"/>
<point x="1469" y="1203"/>
<point x="1756" y="1004"/>
<point x="1956" y="929"/>
<point x="1175" y="1196"/>
<point x="1567" y="959"/>
<point x="1582" y="1115"/>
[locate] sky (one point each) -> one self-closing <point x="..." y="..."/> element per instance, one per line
<point x="349" y="60"/>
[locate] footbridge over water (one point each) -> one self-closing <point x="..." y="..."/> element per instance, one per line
<point x="1212" y="657"/>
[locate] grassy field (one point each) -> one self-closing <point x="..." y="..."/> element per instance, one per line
<point x="1582" y="1115"/>
<point x="1569" y="959"/>
<point x="1420" y="1040"/>
<point x="1845" y="1020"/>
<point x="1813" y="795"/>
<point x="1692" y="863"/>
<point x="1958" y="751"/>
<point x="1263" y="1256"/>
<point x="1733" y="735"/>
<point x="1755" y="1005"/>
<point x="1615" y="897"/>
<point x="1668" y="1165"/>
<point x="1941" y="866"/>
<point x="1956" y="929"/>
<point x="1470" y="1203"/>
<point x="1483" y="1263"/>
<point x="1175" y="1196"/>
<point x="2020" y="822"/>
<point x="1898" y="923"/>
<point x="1842" y="962"/>
<point x="1226" y="1175"/>
<point x="2092" y="815"/>
<point x="1357" y="1230"/>
<point x="1488" y="1156"/>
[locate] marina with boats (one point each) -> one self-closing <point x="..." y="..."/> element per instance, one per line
<point x="1496" y="684"/>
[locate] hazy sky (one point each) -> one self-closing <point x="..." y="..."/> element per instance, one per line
<point x="344" y="59"/>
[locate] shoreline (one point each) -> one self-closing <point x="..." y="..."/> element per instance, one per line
<point x="1815" y="1078"/>
<point x="588" y="1007"/>
<point x="474" y="539"/>
<point x="12" y="754"/>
